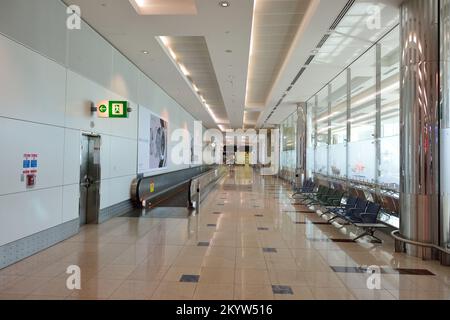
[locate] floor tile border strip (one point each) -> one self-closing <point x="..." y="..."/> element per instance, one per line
<point x="384" y="270"/>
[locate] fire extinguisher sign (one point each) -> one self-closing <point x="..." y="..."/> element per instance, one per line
<point x="30" y="165"/>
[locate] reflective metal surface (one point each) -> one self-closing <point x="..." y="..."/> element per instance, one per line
<point x="301" y="142"/>
<point x="419" y="121"/>
<point x="90" y="179"/>
<point x="445" y="128"/>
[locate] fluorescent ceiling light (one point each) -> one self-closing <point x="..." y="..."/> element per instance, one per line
<point x="164" y="7"/>
<point x="184" y="70"/>
<point x="252" y="44"/>
<point x="165" y="43"/>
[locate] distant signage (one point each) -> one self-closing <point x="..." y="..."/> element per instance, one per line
<point x="112" y="109"/>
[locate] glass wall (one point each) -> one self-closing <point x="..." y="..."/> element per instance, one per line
<point x="337" y="164"/>
<point x="363" y="115"/>
<point x="288" y="155"/>
<point x="322" y="132"/>
<point x="390" y="112"/>
<point x="355" y="120"/>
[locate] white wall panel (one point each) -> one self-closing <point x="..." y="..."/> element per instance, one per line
<point x="105" y="201"/>
<point x="90" y="55"/>
<point x="19" y="138"/>
<point x="119" y="189"/>
<point x="22" y="215"/>
<point x="71" y="201"/>
<point x="81" y="93"/>
<point x="32" y="87"/>
<point x="125" y="77"/>
<point x="105" y="157"/>
<point x="123" y="157"/>
<point x="40" y="25"/>
<point x="72" y="159"/>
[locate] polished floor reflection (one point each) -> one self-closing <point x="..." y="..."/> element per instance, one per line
<point x="247" y="242"/>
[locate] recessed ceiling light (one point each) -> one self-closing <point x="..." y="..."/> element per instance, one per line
<point x="145" y="52"/>
<point x="224" y="4"/>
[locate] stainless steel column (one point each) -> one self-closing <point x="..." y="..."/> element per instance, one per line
<point x="445" y="130"/>
<point x="378" y="116"/>
<point x="316" y="107"/>
<point x="301" y="142"/>
<point x="330" y="92"/>
<point x="419" y="120"/>
<point x="349" y="126"/>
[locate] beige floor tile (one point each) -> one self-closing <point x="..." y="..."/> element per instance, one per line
<point x="280" y="254"/>
<point x="116" y="272"/>
<point x="219" y="262"/>
<point x="288" y="277"/>
<point x="214" y="292"/>
<point x="217" y="275"/>
<point x="253" y="292"/>
<point x="356" y="280"/>
<point x="25" y="285"/>
<point x="252" y="276"/>
<point x="418" y="295"/>
<point x="7" y="281"/>
<point x="135" y="290"/>
<point x="281" y="264"/>
<point x="188" y="261"/>
<point x="148" y="273"/>
<point x="53" y="288"/>
<point x="249" y="253"/>
<point x="221" y="252"/>
<point x="365" y="294"/>
<point x="97" y="289"/>
<point x="11" y="296"/>
<point x="174" y="291"/>
<point x="332" y="294"/>
<point x="251" y="263"/>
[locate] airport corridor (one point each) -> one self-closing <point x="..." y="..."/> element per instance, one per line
<point x="247" y="242"/>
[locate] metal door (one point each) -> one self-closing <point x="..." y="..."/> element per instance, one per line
<point x="90" y="177"/>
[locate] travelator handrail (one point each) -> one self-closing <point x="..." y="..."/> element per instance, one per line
<point x="202" y="184"/>
<point x="148" y="191"/>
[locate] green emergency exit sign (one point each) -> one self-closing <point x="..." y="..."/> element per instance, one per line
<point x="112" y="109"/>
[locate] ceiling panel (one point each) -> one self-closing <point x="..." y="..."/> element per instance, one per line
<point x="275" y="25"/>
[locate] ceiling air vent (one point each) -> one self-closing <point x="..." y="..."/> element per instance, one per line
<point x="342" y="14"/>
<point x="322" y="42"/>
<point x="299" y="74"/>
<point x="310" y="59"/>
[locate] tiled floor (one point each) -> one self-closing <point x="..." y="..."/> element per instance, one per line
<point x="248" y="242"/>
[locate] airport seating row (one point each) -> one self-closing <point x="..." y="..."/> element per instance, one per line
<point x="342" y="207"/>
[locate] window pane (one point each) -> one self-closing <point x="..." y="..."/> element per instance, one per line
<point x="338" y="121"/>
<point x="363" y="100"/>
<point x="390" y="110"/>
<point x="362" y="161"/>
<point x="322" y="132"/>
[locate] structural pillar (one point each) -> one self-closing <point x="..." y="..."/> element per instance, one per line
<point x="420" y="125"/>
<point x="301" y="143"/>
<point x="445" y="130"/>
